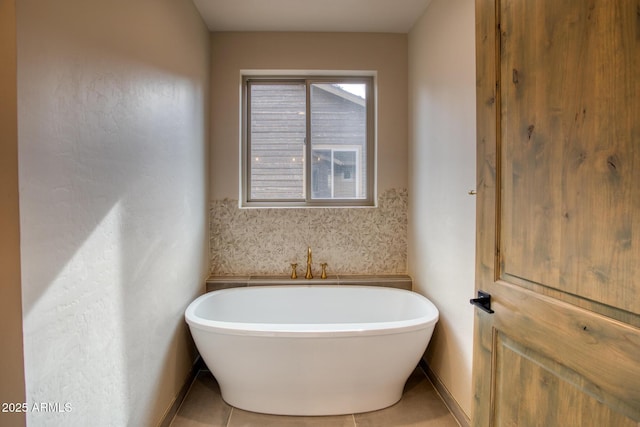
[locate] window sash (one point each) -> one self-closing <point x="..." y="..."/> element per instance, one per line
<point x="356" y="179"/>
<point x="307" y="199"/>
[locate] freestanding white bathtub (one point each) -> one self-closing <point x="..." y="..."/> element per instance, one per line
<point x="311" y="350"/>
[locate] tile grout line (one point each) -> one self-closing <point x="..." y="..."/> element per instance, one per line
<point x="229" y="418"/>
<point x="184" y="398"/>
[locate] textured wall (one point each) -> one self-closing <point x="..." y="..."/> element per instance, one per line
<point x="441" y="172"/>
<point x="351" y="241"/>
<point x="113" y="139"/>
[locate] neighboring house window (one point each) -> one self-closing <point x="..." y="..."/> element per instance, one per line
<point x="287" y="121"/>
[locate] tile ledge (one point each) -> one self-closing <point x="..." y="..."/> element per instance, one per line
<point x="400" y="281"/>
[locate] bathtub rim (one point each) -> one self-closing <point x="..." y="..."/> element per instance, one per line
<point x="313" y="330"/>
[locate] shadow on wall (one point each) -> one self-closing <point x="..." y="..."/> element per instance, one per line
<point x="112" y="137"/>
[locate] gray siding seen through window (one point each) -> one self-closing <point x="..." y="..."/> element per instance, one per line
<point x="277" y="132"/>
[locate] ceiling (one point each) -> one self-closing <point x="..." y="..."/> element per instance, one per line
<point x="386" y="16"/>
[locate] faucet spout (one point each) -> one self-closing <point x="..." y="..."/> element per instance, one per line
<point x="308" y="274"/>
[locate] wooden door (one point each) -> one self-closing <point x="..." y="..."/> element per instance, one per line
<point x="558" y="226"/>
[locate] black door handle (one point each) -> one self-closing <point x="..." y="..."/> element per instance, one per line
<point x="483" y="302"/>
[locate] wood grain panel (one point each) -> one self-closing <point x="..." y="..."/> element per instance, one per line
<point x="597" y="352"/>
<point x="570" y="135"/>
<point x="551" y="395"/>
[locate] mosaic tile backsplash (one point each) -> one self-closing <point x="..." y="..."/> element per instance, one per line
<point x="349" y="240"/>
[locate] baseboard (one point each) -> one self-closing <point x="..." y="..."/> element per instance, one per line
<point x="198" y="365"/>
<point x="447" y="398"/>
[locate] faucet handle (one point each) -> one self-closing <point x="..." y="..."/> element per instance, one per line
<point x="294" y="273"/>
<point x="324" y="270"/>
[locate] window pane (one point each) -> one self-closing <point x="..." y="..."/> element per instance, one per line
<point x="321" y="174"/>
<point x="338" y="141"/>
<point x="277" y="134"/>
<point x="344" y="175"/>
<point x="306" y="141"/>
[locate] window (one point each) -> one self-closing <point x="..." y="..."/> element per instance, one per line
<point x="334" y="174"/>
<point x="308" y="141"/>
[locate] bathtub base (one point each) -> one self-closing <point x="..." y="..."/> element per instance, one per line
<point x="327" y="376"/>
<point x="314" y="405"/>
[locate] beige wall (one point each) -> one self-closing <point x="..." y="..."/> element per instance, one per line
<point x="233" y="52"/>
<point x="441" y="172"/>
<point x="349" y="240"/>
<point x="11" y="363"/>
<point x="113" y="149"/>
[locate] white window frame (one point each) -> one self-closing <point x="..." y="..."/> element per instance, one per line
<point x="343" y="149"/>
<point x="245" y="181"/>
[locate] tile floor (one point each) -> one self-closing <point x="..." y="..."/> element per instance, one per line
<point x="420" y="406"/>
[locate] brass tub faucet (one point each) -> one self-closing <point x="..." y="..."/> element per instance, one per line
<point x="308" y="275"/>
